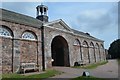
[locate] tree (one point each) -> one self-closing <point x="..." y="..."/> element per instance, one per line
<point x="114" y="49"/>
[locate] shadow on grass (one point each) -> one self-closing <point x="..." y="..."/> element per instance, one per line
<point x="49" y="73"/>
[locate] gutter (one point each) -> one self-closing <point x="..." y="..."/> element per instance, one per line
<point x="43" y="47"/>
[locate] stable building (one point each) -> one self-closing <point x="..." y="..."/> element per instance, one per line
<point x="45" y="43"/>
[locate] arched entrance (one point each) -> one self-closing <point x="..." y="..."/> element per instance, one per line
<point x="60" y="51"/>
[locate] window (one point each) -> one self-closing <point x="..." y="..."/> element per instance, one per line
<point x="91" y="44"/>
<point x="4" y="32"/>
<point x="101" y="46"/>
<point x="85" y="44"/>
<point x="28" y="35"/>
<point x="97" y="45"/>
<point x="76" y="42"/>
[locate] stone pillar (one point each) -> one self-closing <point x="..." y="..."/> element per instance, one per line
<point x="82" y="53"/>
<point x="16" y="55"/>
<point x="39" y="56"/>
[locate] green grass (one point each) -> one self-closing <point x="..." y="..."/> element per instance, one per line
<point x="91" y="66"/>
<point x="118" y="61"/>
<point x="88" y="78"/>
<point x="49" y="73"/>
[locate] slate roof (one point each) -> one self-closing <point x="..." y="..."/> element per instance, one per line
<point x="19" y="18"/>
<point x="85" y="34"/>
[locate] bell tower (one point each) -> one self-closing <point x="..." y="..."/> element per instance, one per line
<point x="42" y="13"/>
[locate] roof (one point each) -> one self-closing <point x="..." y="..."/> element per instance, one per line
<point x="85" y="34"/>
<point x="30" y="21"/>
<point x="19" y="18"/>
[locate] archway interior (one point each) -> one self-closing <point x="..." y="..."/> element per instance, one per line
<point x="60" y="52"/>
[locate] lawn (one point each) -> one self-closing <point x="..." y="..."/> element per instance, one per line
<point x="49" y="73"/>
<point x="91" y="66"/>
<point x="118" y="61"/>
<point x="88" y="78"/>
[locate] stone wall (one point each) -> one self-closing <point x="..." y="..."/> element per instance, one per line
<point x="88" y="53"/>
<point x="76" y="53"/>
<point x="6" y="54"/>
<point x="23" y="50"/>
<point x="28" y="51"/>
<point x="49" y="35"/>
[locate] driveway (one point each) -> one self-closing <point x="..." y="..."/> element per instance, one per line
<point x="109" y="70"/>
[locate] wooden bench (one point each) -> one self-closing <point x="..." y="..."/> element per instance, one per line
<point x="27" y="66"/>
<point x="82" y="63"/>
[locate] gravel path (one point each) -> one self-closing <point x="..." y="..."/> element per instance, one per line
<point x="109" y="70"/>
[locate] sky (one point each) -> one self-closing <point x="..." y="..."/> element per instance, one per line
<point x="99" y="19"/>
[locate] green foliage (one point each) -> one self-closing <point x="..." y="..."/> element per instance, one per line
<point x="92" y="66"/>
<point x="118" y="61"/>
<point x="49" y="73"/>
<point x="114" y="49"/>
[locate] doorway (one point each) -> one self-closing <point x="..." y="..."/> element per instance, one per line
<point x="60" y="52"/>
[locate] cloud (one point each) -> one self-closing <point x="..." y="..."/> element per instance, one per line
<point x="99" y="20"/>
<point x="95" y="19"/>
<point x="101" y="23"/>
<point x="119" y="20"/>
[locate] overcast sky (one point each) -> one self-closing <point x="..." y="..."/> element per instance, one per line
<point x="100" y="19"/>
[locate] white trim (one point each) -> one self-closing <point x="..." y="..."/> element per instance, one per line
<point x="28" y="37"/>
<point x="58" y="21"/>
<point x="60" y="29"/>
<point x="6" y="36"/>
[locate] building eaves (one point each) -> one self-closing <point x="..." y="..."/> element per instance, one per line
<point x="19" y="18"/>
<point x="85" y="34"/>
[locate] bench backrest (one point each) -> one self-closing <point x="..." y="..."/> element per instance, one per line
<point x="28" y="65"/>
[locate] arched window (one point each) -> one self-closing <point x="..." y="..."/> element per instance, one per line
<point x="97" y="45"/>
<point x="101" y="46"/>
<point x="29" y="36"/>
<point x="5" y="32"/>
<point x="76" y="42"/>
<point x="85" y="44"/>
<point x="91" y="44"/>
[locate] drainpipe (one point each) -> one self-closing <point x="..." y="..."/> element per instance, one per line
<point x="37" y="51"/>
<point x="12" y="54"/>
<point x="43" y="54"/>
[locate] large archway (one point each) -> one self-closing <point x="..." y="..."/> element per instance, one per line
<point x="60" y="52"/>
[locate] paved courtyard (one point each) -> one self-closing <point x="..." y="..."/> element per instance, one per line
<point x="109" y="70"/>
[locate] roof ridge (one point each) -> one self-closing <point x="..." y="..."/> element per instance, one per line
<point x="20" y="18"/>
